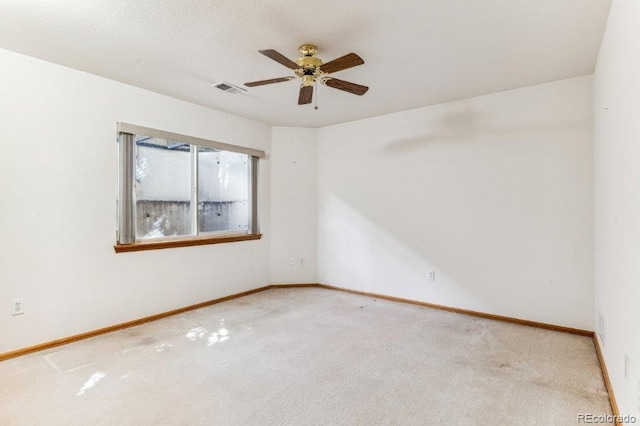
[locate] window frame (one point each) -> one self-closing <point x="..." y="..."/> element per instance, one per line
<point x="126" y="240"/>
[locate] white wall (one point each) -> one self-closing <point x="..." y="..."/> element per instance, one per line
<point x="293" y="206"/>
<point x="494" y="193"/>
<point x="58" y="186"/>
<point x="617" y="199"/>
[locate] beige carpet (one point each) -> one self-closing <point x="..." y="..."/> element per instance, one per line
<point x="309" y="357"/>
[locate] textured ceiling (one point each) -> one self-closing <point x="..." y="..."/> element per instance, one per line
<point x="416" y="52"/>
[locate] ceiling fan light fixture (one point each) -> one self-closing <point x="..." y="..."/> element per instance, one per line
<point x="308" y="80"/>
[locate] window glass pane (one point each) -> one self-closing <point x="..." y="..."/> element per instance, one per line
<point x="163" y="188"/>
<point x="223" y="191"/>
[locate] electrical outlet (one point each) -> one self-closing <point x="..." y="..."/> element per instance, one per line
<point x="292" y="261"/>
<point x="301" y="262"/>
<point x="17" y="306"/>
<point x="432" y="275"/>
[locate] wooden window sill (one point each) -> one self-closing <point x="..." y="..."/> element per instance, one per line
<point x="156" y="245"/>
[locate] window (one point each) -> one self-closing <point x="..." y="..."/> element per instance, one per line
<point x="177" y="190"/>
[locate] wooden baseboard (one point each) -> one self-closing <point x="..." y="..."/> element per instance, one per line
<point x="607" y="382"/>
<point x="306" y="285"/>
<point x="466" y="311"/>
<point x="133" y="323"/>
<point x="89" y="334"/>
<point x="93" y="333"/>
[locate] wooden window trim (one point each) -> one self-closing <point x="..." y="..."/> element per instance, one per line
<point x="186" y="242"/>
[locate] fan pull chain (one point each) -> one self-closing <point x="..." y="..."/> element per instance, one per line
<point x="315" y="90"/>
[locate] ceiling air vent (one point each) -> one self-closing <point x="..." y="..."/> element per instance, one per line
<point x="229" y="88"/>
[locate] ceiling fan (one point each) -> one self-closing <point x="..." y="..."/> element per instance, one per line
<point x="311" y="69"/>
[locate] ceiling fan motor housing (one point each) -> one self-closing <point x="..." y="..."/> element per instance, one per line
<point x="308" y="61"/>
<point x="309" y="64"/>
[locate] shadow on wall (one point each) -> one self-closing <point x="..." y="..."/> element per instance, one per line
<point x="502" y="212"/>
<point x="387" y="264"/>
<point x="465" y="125"/>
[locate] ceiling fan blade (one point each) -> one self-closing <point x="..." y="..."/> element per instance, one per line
<point x="306" y="94"/>
<point x="354" y="88"/>
<point x="263" y="82"/>
<point x="347" y="61"/>
<point x="281" y="59"/>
